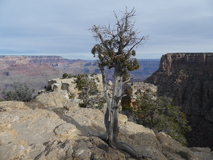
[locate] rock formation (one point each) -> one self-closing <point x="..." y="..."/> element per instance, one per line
<point x="187" y="78"/>
<point x="132" y="90"/>
<point x="36" y="70"/>
<point x="54" y="127"/>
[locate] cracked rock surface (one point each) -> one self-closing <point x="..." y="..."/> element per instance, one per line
<point x="40" y="130"/>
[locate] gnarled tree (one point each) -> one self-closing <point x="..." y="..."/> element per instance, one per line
<point x="116" y="50"/>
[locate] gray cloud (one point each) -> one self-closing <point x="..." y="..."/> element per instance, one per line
<point x="61" y="27"/>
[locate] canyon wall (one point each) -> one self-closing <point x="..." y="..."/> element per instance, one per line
<point x="37" y="70"/>
<point x="22" y="69"/>
<point x="187" y="78"/>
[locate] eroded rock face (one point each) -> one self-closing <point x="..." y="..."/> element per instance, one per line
<point x="68" y="85"/>
<point x="187" y="78"/>
<point x="52" y="127"/>
<point x="135" y="89"/>
<point x="36" y="70"/>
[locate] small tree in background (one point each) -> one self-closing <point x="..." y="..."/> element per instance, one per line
<point x="90" y="94"/>
<point x="65" y="75"/>
<point x="18" y="92"/>
<point x="116" y="50"/>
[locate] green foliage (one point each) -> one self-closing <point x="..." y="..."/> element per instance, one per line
<point x="96" y="101"/>
<point x="117" y="44"/>
<point x="65" y="75"/>
<point x="89" y="91"/>
<point x="160" y="115"/>
<point x="112" y="58"/>
<point x="19" y="92"/>
<point x="84" y="82"/>
<point x="93" y="74"/>
<point x="81" y="81"/>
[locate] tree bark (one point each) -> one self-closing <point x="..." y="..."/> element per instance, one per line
<point x="111" y="114"/>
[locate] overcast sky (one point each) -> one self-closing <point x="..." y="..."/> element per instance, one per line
<point x="47" y="27"/>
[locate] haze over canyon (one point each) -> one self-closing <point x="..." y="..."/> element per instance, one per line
<point x="37" y="70"/>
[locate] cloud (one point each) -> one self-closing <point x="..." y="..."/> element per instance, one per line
<point x="61" y="27"/>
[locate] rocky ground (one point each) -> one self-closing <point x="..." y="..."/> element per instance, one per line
<point x="53" y="127"/>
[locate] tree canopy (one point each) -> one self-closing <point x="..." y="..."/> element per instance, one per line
<point x="117" y="45"/>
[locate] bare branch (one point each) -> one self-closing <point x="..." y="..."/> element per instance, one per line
<point x="128" y="80"/>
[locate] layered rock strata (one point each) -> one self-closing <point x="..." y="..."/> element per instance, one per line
<point x="187" y="78"/>
<point x="36" y="70"/>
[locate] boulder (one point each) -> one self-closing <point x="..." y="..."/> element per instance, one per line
<point x="68" y="85"/>
<point x="50" y="99"/>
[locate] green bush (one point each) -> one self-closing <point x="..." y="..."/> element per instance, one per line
<point x="83" y="82"/>
<point x="160" y="115"/>
<point x="65" y="75"/>
<point x="90" y="94"/>
<point x="69" y="76"/>
<point x="18" y="92"/>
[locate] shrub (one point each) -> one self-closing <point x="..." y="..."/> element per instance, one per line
<point x="86" y="84"/>
<point x="90" y="94"/>
<point x="160" y="115"/>
<point x="19" y="92"/>
<point x="69" y="76"/>
<point x="65" y="75"/>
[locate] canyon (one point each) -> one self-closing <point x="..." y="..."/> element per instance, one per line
<point x="187" y="78"/>
<point x="37" y="70"/>
<point x="53" y="126"/>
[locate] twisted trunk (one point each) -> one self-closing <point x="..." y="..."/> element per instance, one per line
<point x="111" y="114"/>
<point x="113" y="128"/>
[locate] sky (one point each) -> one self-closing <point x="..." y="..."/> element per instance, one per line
<point x="47" y="27"/>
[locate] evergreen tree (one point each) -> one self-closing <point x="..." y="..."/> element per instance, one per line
<point x="90" y="94"/>
<point x="116" y="50"/>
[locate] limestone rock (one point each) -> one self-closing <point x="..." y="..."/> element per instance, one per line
<point x="63" y="84"/>
<point x="66" y="130"/>
<point x="56" y="128"/>
<point x="203" y="153"/>
<point x="50" y="99"/>
<point x="169" y="145"/>
<point x="69" y="85"/>
<point x="14" y="150"/>
<point x="10" y="105"/>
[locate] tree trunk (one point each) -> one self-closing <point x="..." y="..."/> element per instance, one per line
<point x="111" y="114"/>
<point x="117" y="91"/>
